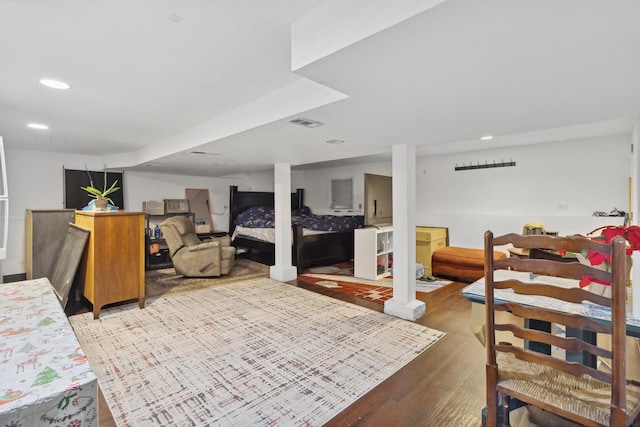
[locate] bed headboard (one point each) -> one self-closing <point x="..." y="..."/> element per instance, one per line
<point x="239" y="201"/>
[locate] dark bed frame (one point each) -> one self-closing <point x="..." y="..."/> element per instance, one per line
<point x="307" y="251"/>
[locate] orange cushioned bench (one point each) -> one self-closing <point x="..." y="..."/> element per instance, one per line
<point x="460" y="263"/>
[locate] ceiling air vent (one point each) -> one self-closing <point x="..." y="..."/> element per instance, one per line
<point x="306" y="122"/>
<point x="204" y="153"/>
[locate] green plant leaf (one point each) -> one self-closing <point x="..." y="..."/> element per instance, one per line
<point x="111" y="189"/>
<point x="102" y="194"/>
<point x="93" y="192"/>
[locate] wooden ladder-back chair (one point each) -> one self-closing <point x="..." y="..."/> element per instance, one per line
<point x="576" y="390"/>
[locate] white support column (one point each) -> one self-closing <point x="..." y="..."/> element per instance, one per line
<point x="404" y="303"/>
<point x="283" y="270"/>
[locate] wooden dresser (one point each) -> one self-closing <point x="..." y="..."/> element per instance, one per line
<point x="112" y="268"/>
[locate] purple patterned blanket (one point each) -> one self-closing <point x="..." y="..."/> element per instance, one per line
<point x="264" y="217"/>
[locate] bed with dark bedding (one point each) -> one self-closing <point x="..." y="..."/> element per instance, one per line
<point x="317" y="239"/>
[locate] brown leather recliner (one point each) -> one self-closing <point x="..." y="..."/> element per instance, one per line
<point x="192" y="257"/>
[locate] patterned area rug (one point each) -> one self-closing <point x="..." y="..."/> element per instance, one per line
<point x="340" y="269"/>
<point x="257" y="352"/>
<point x="166" y="281"/>
<point x="341" y="279"/>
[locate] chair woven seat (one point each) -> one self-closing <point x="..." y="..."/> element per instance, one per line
<point x="584" y="395"/>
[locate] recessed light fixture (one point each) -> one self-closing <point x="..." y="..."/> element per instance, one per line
<point x="38" y="126"/>
<point x="486" y="137"/>
<point x="55" y="84"/>
<point x="175" y="18"/>
<point x="335" y="141"/>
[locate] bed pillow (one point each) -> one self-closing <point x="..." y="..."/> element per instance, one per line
<point x="304" y="210"/>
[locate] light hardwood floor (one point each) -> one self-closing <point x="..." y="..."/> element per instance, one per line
<point x="444" y="386"/>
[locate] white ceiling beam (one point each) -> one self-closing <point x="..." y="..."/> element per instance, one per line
<point x="337" y="24"/>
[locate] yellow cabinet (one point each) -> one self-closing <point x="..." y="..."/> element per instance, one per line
<point x="428" y="239"/>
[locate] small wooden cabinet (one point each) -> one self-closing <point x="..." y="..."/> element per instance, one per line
<point x="373" y="252"/>
<point x="112" y="268"/>
<point x="428" y="240"/>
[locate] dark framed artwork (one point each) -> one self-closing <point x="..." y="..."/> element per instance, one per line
<point x="68" y="261"/>
<point x="76" y="198"/>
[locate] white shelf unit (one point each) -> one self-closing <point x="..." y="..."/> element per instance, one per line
<point x="373" y="252"/>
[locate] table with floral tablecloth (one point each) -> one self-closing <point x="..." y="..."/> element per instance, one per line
<point x="45" y="378"/>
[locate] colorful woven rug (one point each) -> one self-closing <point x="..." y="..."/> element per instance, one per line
<point x="166" y="281"/>
<point x="258" y="352"/>
<point x="341" y="279"/>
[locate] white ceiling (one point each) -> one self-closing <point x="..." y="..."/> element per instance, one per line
<point x="154" y="80"/>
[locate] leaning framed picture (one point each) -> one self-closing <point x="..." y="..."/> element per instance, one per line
<point x="68" y="261"/>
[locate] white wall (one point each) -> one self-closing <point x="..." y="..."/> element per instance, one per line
<point x="256" y="181"/>
<point x="35" y="181"/>
<point x="27" y="171"/>
<point x="264" y="180"/>
<point x="585" y="175"/>
<point x="317" y="184"/>
<point x="142" y="187"/>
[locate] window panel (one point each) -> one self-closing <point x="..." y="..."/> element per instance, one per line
<point x="342" y="193"/>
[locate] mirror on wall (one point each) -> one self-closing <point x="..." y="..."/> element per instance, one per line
<point x="378" y="199"/>
<point x="199" y="204"/>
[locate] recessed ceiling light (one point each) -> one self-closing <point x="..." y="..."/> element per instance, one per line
<point x="486" y="137"/>
<point x="55" y="84"/>
<point x="175" y="18"/>
<point x="335" y="141"/>
<point x="38" y="126"/>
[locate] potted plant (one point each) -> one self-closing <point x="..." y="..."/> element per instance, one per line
<point x="101" y="197"/>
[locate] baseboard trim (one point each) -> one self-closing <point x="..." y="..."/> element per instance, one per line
<point x="14" y="278"/>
